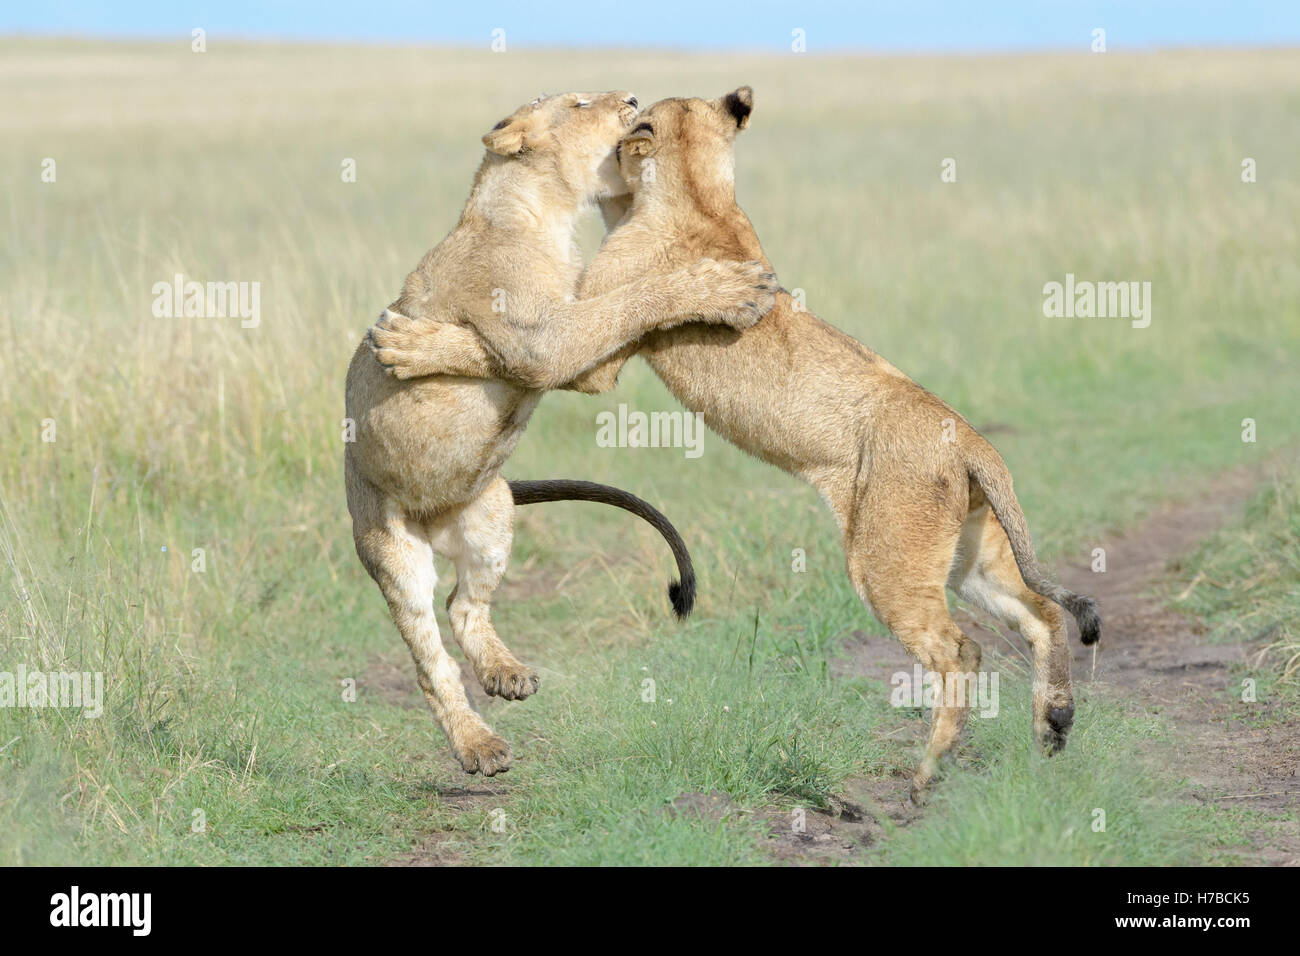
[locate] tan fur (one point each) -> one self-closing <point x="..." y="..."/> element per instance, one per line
<point x="423" y="475"/>
<point x="910" y="483"/>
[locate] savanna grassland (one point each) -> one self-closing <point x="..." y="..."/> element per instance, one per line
<point x="226" y="736"/>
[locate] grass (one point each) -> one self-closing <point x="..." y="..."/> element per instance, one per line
<point x="1088" y="806"/>
<point x="1245" y="583"/>
<point x="222" y="686"/>
<point x="610" y="755"/>
<point x="1244" y="586"/>
<point x="596" y="793"/>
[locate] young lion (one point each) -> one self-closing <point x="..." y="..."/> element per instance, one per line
<point x="921" y="499"/>
<point x="423" y="474"/>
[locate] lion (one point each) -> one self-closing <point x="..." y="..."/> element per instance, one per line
<point x="922" y="501"/>
<point x="423" y="471"/>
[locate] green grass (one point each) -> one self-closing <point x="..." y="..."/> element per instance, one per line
<point x="1244" y="584"/>
<point x="605" y="762"/>
<point x="1094" y="804"/>
<point x="1223" y="833"/>
<point x="223" y="687"/>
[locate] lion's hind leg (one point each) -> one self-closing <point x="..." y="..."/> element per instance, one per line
<point x="477" y="538"/>
<point x="986" y="575"/>
<point x="398" y="554"/>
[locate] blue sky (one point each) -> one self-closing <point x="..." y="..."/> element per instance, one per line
<point x="894" y="25"/>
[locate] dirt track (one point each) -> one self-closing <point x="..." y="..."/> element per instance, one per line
<point x="1164" y="661"/>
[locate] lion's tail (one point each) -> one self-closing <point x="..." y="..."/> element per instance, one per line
<point x="682" y="591"/>
<point x="986" y="468"/>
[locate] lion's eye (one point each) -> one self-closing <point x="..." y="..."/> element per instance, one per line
<point x="582" y="104"/>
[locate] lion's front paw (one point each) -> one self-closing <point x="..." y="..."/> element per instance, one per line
<point x="395" y="342"/>
<point x="740" y="293"/>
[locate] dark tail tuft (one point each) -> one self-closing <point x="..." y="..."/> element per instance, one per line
<point x="1087" y="615"/>
<point x="682" y="594"/>
<point x="682" y="591"/>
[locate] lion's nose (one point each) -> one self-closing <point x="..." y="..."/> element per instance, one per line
<point x="631" y="101"/>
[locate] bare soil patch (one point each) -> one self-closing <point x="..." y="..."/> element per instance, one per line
<point x="451" y="847"/>
<point x="837" y="835"/>
<point x="390" y="678"/>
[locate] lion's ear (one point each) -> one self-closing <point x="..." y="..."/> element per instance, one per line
<point x="740" y="103"/>
<point x="641" y="141"/>
<point x="507" y="138"/>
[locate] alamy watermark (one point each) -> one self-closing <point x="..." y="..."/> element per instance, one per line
<point x="931" y="689"/>
<point x="57" y="689"/>
<point x="211" y="300"/>
<point x="633" y="429"/>
<point x="1085" y="300"/>
<point x="130" y="910"/>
